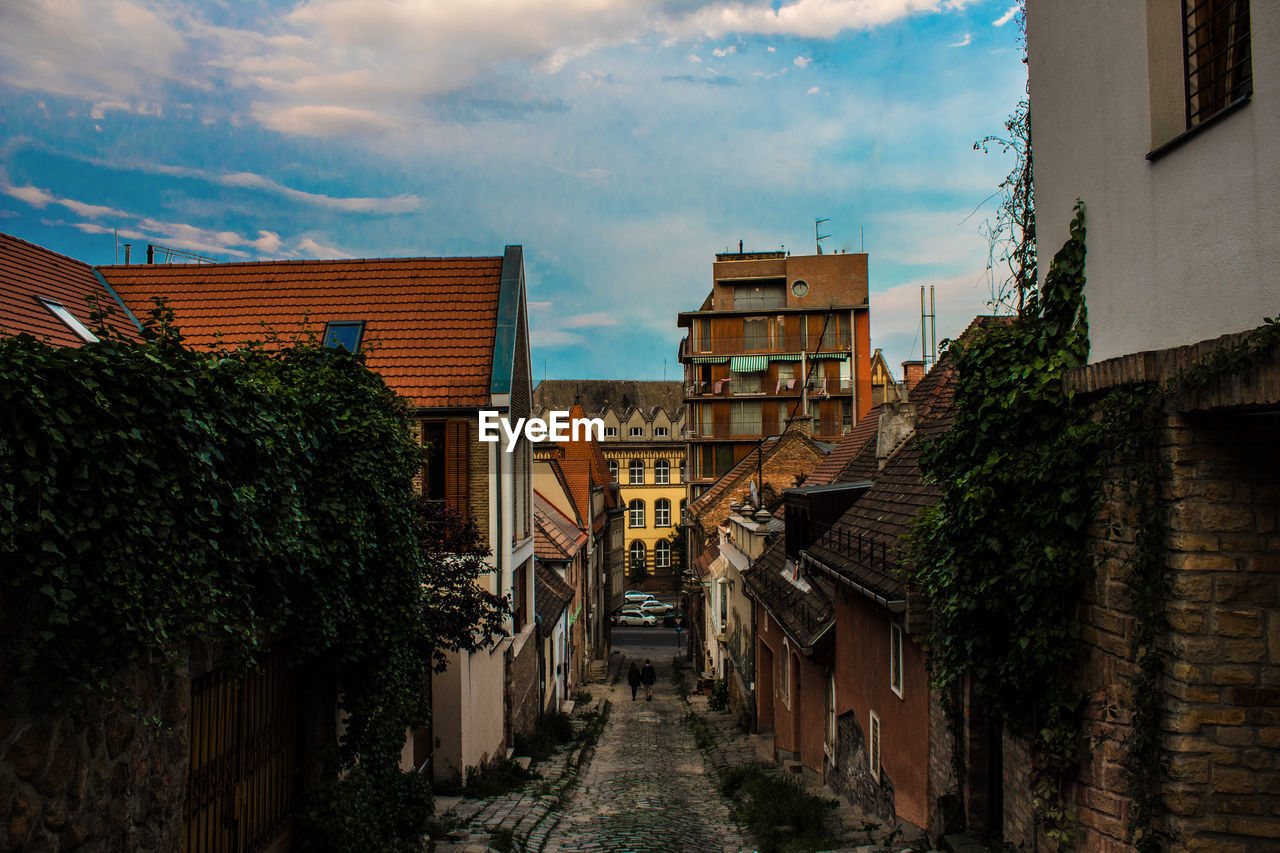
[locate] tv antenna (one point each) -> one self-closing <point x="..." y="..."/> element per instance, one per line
<point x="818" y="236"/>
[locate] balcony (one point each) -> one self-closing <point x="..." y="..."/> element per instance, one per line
<point x="734" y="344"/>
<point x="729" y="388"/>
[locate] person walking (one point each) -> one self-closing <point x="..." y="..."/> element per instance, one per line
<point x="633" y="678"/>
<point x="647" y="678"/>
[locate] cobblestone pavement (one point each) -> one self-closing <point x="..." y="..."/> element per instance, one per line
<point x="648" y="787"/>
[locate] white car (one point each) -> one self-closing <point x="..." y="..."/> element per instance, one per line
<point x="655" y="608"/>
<point x="635" y="596"/>
<point x="635" y="616"/>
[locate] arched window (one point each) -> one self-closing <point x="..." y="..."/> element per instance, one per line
<point x="662" y="554"/>
<point x="638" y="556"/>
<point x="636" y="512"/>
<point x="662" y="513"/>
<point x="613" y="469"/>
<point x="635" y="472"/>
<point x="662" y="472"/>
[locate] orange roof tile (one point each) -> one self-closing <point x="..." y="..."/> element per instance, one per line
<point x="430" y="323"/>
<point x="556" y="536"/>
<point x="849" y="448"/>
<point x="28" y="271"/>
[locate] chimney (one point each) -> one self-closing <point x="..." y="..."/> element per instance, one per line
<point x="897" y="423"/>
<point x="151" y="253"/>
<point x="912" y="373"/>
<point x="127" y="247"/>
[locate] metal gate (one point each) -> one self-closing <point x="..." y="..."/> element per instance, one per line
<point x="242" y="781"/>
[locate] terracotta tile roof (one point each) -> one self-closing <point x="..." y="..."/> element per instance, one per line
<point x="430" y="323"/>
<point x="734" y="474"/>
<point x="555" y="535"/>
<point x="702" y="565"/>
<point x="551" y="595"/>
<point x="851" y="447"/>
<point x="865" y="544"/>
<point x="805" y="614"/>
<point x="28" y="271"/>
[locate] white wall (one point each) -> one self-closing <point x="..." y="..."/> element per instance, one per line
<point x="1181" y="249"/>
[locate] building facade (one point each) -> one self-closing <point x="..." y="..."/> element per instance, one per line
<point x="643" y="446"/>
<point x="779" y="339"/>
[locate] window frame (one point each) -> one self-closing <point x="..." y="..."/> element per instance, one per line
<point x="784" y="674"/>
<point x="635" y="432"/>
<point x="662" y="472"/>
<point x="613" y="468"/>
<point x="611" y="432"/>
<point x="642" y="551"/>
<point x="80" y="330"/>
<point x="661" y="432"/>
<point x="635" y="506"/>
<point x="658" y="508"/>
<point x="875" y="738"/>
<point x="895" y="659"/>
<point x="662" y="554"/>
<point x="334" y="327"/>
<point x="631" y="472"/>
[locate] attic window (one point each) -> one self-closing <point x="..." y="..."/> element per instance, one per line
<point x="345" y="334"/>
<point x="81" y="330"/>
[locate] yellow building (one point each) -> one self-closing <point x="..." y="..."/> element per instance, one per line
<point x="644" y="434"/>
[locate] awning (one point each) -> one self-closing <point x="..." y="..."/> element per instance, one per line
<point x="786" y="356"/>
<point x="748" y="363"/>
<point x="830" y="356"/>
<point x="709" y="359"/>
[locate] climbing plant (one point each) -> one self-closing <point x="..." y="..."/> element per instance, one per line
<point x="1000" y="558"/>
<point x="154" y="498"/>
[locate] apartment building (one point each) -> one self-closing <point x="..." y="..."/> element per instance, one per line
<point x="780" y="339"/>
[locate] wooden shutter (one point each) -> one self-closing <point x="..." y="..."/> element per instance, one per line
<point x="457" y="446"/>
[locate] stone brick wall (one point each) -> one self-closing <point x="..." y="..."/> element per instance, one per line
<point x="944" y="803"/>
<point x="106" y="781"/>
<point x="1222" y="548"/>
<point x="478" y="474"/>
<point x="851" y="776"/>
<point x="1020" y="827"/>
<point x="522" y="683"/>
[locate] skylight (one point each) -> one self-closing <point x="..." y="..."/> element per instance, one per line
<point x="344" y="334"/>
<point x="81" y="330"/>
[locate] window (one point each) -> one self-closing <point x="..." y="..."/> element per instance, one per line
<point x="1216" y="56"/>
<point x="635" y="472"/>
<point x="682" y="476"/>
<point x="433" y="479"/>
<point x="638" y="556"/>
<point x="662" y="554"/>
<point x="829" y="742"/>
<point x="662" y="513"/>
<point x="682" y="501"/>
<point x="661" y="432"/>
<point x="895" y="659"/>
<point x="662" y="472"/>
<point x="345" y="334"/>
<point x="635" y="511"/>
<point x="784" y="674"/>
<point x="613" y="469"/>
<point x="755" y="333"/>
<point x="744" y="419"/>
<point x="761" y="294"/>
<point x="745" y="383"/>
<point x="81" y="330"/>
<point x="873" y="747"/>
<point x="723" y="583"/>
<point x="637" y="432"/>
<point x="610" y="432"/>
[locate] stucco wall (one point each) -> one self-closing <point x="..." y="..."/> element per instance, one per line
<point x="1180" y="249"/>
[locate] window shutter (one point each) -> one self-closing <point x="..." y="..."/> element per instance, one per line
<point x="457" y="478"/>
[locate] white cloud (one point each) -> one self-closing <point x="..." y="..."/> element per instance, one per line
<point x="594" y="320"/>
<point x="964" y="42"/>
<point x="807" y="18"/>
<point x="327" y="120"/>
<point x="553" y="338"/>
<point x="311" y="249"/>
<point x="693" y="57"/>
<point x="537" y="306"/>
<point x="895" y="313"/>
<point x="725" y="51"/>
<point x="39" y="198"/>
<point x="813" y="90"/>
<point x="773" y="50"/>
<point x="801" y="61"/>
<point x="1006" y="17"/>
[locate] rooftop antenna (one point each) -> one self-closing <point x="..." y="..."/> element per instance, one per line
<point x="818" y="236"/>
<point x="928" y="331"/>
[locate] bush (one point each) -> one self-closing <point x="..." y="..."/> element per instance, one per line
<point x="551" y="731"/>
<point x="719" y="695"/>
<point x="778" y="811"/>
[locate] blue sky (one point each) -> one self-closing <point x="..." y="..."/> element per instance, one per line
<point x="621" y="142"/>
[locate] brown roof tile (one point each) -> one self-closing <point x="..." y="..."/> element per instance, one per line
<point x="28" y="271"/>
<point x="851" y="447"/>
<point x="804" y="615"/>
<point x="429" y="322"/>
<point x="551" y="595"/>
<point x="555" y="535"/>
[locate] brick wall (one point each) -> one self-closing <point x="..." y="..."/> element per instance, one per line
<point x="781" y="467"/>
<point x="1222" y="496"/>
<point x="522" y="684"/>
<point x="851" y="776"/>
<point x="478" y="472"/>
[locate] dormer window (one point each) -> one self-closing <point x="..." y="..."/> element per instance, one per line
<point x="344" y="334"/>
<point x="637" y="432"/>
<point x="80" y="329"/>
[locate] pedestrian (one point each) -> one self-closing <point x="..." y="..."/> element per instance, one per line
<point x="647" y="678"/>
<point x="633" y="678"/>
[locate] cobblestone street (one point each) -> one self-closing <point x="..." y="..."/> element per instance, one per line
<point x="648" y="786"/>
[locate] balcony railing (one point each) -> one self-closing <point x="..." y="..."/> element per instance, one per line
<point x="765" y="343"/>
<point x="725" y="388"/>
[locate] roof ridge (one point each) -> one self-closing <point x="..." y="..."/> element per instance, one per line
<point x="301" y="261"/>
<point x="46" y="250"/>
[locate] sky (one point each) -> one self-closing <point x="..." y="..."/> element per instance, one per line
<point x="622" y="143"/>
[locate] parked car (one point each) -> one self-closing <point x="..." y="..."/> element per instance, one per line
<point x="655" y="607"/>
<point x="633" y="616"/>
<point x="635" y="596"/>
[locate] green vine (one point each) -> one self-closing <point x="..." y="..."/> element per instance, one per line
<point x="1001" y="559"/>
<point x="156" y="500"/>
